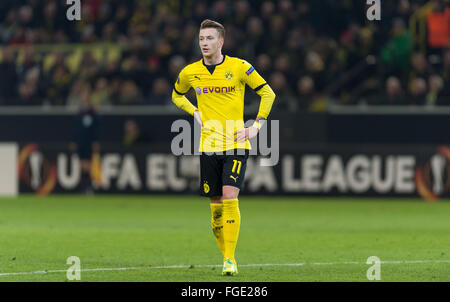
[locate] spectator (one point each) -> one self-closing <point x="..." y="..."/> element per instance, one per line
<point x="417" y="91"/>
<point x="28" y="63"/>
<point x="176" y="64"/>
<point x="276" y="36"/>
<point x="445" y="73"/>
<point x="321" y="40"/>
<point x="242" y="12"/>
<point x="314" y="67"/>
<point x="264" y="65"/>
<point x="88" y="66"/>
<point x="306" y="92"/>
<point x="133" y="70"/>
<point x="220" y="10"/>
<point x="29" y="90"/>
<point x="114" y="91"/>
<point x="112" y="70"/>
<point x="397" y="52"/>
<point x="129" y="94"/>
<point x="161" y="92"/>
<point x="434" y="96"/>
<point x="438" y="26"/>
<point x="254" y="42"/>
<point x="59" y="60"/>
<point x="100" y="95"/>
<point x="77" y="92"/>
<point x="267" y="11"/>
<point x="8" y="26"/>
<point x="8" y="77"/>
<point x="285" y="98"/>
<point x="393" y="94"/>
<point x="59" y="85"/>
<point x="283" y="65"/>
<point x="419" y="66"/>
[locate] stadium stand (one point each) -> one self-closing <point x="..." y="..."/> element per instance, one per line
<point x="312" y="52"/>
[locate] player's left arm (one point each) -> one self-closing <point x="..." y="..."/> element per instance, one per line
<point x="255" y="81"/>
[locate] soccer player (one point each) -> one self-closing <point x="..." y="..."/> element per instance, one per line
<point x="219" y="82"/>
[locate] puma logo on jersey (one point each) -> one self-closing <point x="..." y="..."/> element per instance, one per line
<point x="235" y="179"/>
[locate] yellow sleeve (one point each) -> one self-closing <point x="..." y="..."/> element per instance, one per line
<point x="182" y="102"/>
<point x="250" y="76"/>
<point x="267" y="98"/>
<point x="256" y="82"/>
<point x="180" y="88"/>
<point x="182" y="84"/>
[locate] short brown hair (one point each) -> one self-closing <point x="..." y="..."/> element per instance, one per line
<point x="213" y="24"/>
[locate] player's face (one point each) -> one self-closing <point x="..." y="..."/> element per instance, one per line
<point x="210" y="42"/>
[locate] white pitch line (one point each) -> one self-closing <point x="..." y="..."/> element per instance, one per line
<point x="43" y="272"/>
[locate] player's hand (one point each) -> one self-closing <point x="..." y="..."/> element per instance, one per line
<point x="198" y="117"/>
<point x="244" y="134"/>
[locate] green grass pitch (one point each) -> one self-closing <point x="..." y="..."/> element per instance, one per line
<point x="168" y="238"/>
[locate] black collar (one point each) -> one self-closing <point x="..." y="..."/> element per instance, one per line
<point x="211" y="68"/>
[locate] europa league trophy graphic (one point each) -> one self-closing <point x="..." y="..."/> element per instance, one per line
<point x="437" y="168"/>
<point x="35" y="165"/>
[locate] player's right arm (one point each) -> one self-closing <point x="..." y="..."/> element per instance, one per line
<point x="180" y="88"/>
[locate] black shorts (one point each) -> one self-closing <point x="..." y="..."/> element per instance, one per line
<point x="217" y="170"/>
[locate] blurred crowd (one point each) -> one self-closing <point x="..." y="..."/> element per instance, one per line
<point x="309" y="51"/>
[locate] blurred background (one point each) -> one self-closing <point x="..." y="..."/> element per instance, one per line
<point x="345" y="85"/>
<point x="312" y="52"/>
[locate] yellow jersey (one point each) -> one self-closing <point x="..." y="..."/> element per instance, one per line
<point x="220" y="93"/>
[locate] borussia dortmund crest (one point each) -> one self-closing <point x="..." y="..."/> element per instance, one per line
<point x="205" y="188"/>
<point x="228" y="74"/>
